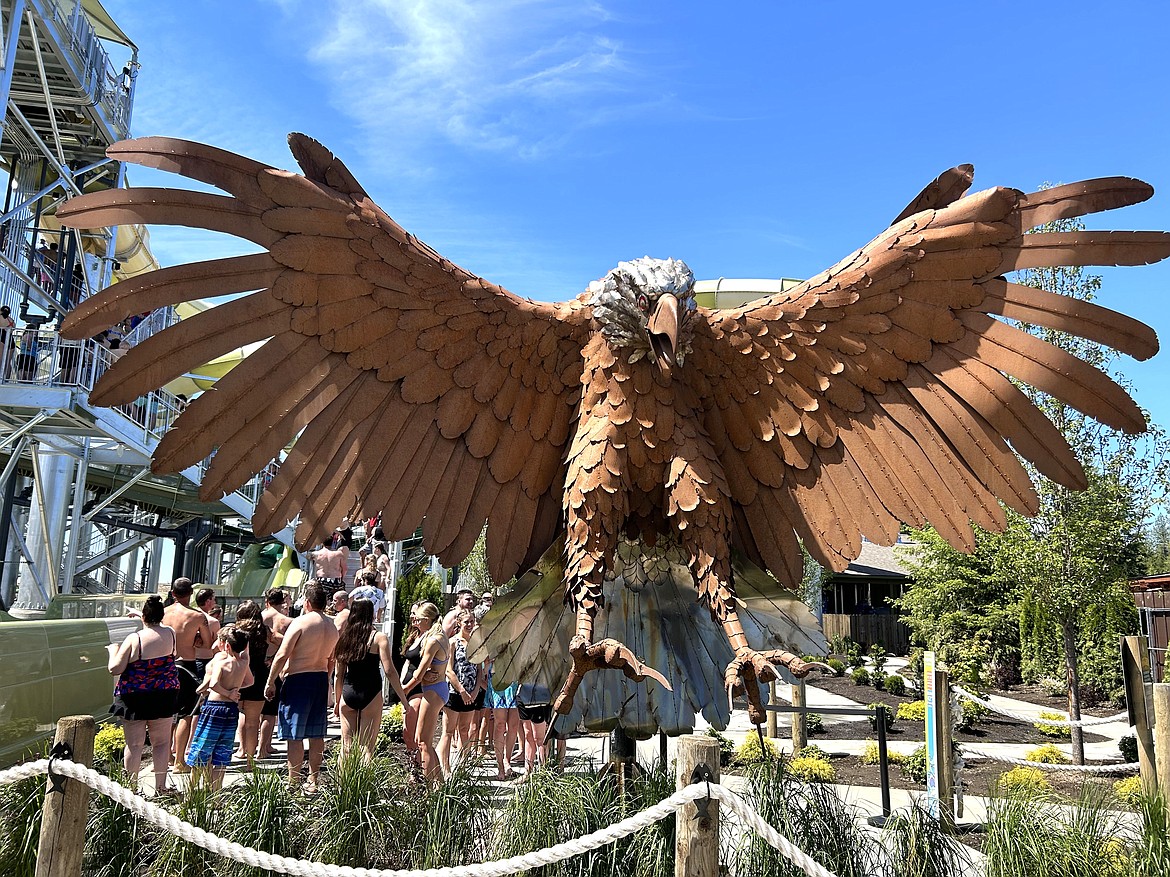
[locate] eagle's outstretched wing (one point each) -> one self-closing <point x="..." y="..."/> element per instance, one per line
<point x="880" y="392"/>
<point x="399" y="374"/>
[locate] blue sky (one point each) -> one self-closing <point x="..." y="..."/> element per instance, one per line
<point x="539" y="143"/>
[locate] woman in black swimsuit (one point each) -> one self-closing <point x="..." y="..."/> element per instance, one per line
<point x="250" y="620"/>
<point x="361" y="654"/>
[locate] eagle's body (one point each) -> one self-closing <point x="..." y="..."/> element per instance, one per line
<point x="646" y="459"/>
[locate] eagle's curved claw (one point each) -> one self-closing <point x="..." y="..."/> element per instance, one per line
<point x="605" y="654"/>
<point x="750" y="667"/>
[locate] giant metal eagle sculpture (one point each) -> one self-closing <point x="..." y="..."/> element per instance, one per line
<point x="646" y="458"/>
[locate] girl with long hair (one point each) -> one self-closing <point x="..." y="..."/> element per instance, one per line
<point x="250" y="619"/>
<point x="361" y="655"/>
<point x="431" y="675"/>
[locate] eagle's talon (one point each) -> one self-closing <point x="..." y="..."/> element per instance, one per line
<point x="751" y="667"/>
<point x="607" y="654"/>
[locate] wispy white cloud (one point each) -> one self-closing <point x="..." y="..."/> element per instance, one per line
<point x="499" y="75"/>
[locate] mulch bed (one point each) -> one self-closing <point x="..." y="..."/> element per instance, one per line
<point x="992" y="729"/>
<point x="1036" y="695"/>
<point x="978" y="778"/>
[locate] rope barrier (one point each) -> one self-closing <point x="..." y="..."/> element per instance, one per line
<point x="1025" y="717"/>
<point x="1128" y="767"/>
<point x="156" y="815"/>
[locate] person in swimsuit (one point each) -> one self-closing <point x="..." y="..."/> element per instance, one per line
<point x="146" y="693"/>
<point x="359" y="658"/>
<point x="303" y="661"/>
<point x="191" y="628"/>
<point x="432" y="675"/>
<point x="505" y="722"/>
<point x="250" y="620"/>
<point x="227" y="674"/>
<point x="465" y="679"/>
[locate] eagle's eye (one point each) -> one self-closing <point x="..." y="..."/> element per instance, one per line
<point x="643" y="302"/>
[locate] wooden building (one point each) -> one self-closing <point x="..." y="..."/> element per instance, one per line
<point x="856" y="602"/>
<point x="1152" y="597"/>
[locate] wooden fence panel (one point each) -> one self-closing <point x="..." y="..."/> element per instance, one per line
<point x="886" y="630"/>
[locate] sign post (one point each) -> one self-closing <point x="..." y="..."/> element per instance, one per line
<point x="930" y="696"/>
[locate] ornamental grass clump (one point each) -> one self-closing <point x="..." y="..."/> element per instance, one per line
<point x="550" y="808"/>
<point x="20" y="811"/>
<point x="361" y="815"/>
<point x="1049" y="730"/>
<point x="265" y="815"/>
<point x="812" y="816"/>
<point x="919" y="847"/>
<point x="455" y="822"/>
<point x="117" y="843"/>
<point x="1028" y="834"/>
<point x="202" y="806"/>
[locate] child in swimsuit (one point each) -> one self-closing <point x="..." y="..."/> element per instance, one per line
<point x="215" y="734"/>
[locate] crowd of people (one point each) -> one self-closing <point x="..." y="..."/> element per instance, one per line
<point x="207" y="693"/>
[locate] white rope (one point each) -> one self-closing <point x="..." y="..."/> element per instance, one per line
<point x="156" y="815"/>
<point x="1129" y="767"/>
<point x="1026" y="717"/>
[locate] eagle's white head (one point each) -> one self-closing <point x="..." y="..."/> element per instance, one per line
<point x="645" y="305"/>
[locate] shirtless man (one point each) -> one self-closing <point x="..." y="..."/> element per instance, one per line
<point x="205" y="651"/>
<point x="305" y="660"/>
<point x="340" y="608"/>
<point x="330" y="564"/>
<point x="189" y="626"/>
<point x="276" y="619"/>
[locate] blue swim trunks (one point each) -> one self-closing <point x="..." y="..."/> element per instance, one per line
<point x="215" y="735"/>
<point x="304" y="706"/>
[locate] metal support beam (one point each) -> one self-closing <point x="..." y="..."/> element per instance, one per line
<point x="37" y="419"/>
<point x="142" y="473"/>
<point x="75" y="522"/>
<point x="36" y="41"/>
<point x="39" y="492"/>
<point x="24" y="552"/>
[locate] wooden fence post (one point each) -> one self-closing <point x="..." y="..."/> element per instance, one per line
<point x="944" y="746"/>
<point x="62" y="841"/>
<point x="1135" y="667"/>
<point x="1162" y="734"/>
<point x="799" y="723"/>
<point x="696" y="841"/>
<point x="772" y="701"/>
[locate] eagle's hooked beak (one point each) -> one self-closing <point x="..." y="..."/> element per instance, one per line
<point x="663" y="330"/>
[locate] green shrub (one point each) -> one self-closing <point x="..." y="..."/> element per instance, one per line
<point x="109" y="745"/>
<point x="1047" y="754"/>
<point x="813" y="751"/>
<point x="726" y="747"/>
<point x="914" y="711"/>
<point x="1128" y="748"/>
<point x="812" y="770"/>
<point x="869" y="754"/>
<point x="878" y="655"/>
<point x="856" y="660"/>
<point x="1128" y="791"/>
<point x="880" y="712"/>
<point x="896" y="684"/>
<point x="914" y="766"/>
<point x="749" y="751"/>
<point x="393" y="726"/>
<point x="878" y="679"/>
<point x="1052" y="686"/>
<point x="814" y="723"/>
<point x="860" y="676"/>
<point x="838" y="667"/>
<point x="1022" y="781"/>
<point x="972" y="713"/>
<point x="1049" y="730"/>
